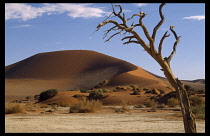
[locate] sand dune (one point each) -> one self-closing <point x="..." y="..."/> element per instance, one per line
<point x="72" y="69"/>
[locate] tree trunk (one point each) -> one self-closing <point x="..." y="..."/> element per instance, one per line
<point x="188" y="117"/>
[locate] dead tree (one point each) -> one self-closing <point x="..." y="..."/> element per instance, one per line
<point x="134" y="37"/>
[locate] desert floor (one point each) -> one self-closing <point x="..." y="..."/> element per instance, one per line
<point x="102" y="121"/>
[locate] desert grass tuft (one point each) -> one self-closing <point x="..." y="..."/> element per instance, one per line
<point x="14" y="108"/>
<point x="85" y="106"/>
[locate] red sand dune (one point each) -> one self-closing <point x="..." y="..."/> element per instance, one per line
<point x="72" y="69"/>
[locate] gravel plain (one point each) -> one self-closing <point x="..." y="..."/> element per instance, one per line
<point x="96" y="123"/>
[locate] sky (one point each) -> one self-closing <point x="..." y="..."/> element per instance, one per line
<point x="32" y="28"/>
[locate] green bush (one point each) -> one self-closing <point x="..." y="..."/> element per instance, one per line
<point x="85" y="106"/>
<point x="96" y="94"/>
<point x="172" y="102"/>
<point x="47" y="94"/>
<point x="105" y="90"/>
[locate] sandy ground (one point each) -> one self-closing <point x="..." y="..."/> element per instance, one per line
<point x="101" y="122"/>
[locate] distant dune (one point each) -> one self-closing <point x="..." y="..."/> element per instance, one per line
<point x="196" y="84"/>
<point x="72" y="69"/>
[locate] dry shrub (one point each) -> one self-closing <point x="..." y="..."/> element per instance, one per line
<point x="196" y="100"/>
<point x="63" y="104"/>
<point x="150" y="103"/>
<point x="85" y="106"/>
<point x="31" y="107"/>
<point x="124" y="106"/>
<point x="14" y="108"/>
<point x="172" y="102"/>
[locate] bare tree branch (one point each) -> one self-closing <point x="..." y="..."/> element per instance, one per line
<point x="131" y="42"/>
<point x="113" y="36"/>
<point x="160" y="23"/>
<point x="161" y="42"/>
<point x="133" y="16"/>
<point x="130" y="37"/>
<point x="108" y="17"/>
<point x="107" y="31"/>
<point x="110" y="21"/>
<point x="175" y="44"/>
<point x="118" y="14"/>
<point x="151" y="41"/>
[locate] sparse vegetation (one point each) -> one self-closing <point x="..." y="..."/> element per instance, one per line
<point x="139" y="106"/>
<point x="165" y="97"/>
<point x="85" y="106"/>
<point x="154" y="91"/>
<point x="31" y="107"/>
<point x="64" y="104"/>
<point x="161" y="105"/>
<point x="99" y="85"/>
<point x="161" y="91"/>
<point x="152" y="110"/>
<point x="79" y="95"/>
<point x="44" y="106"/>
<point x="136" y="92"/>
<point x="28" y="98"/>
<point x="196" y="100"/>
<point x="199" y="111"/>
<point x="14" y="108"/>
<point x="172" y="102"/>
<point x="84" y="90"/>
<point x="36" y="97"/>
<point x="198" y="106"/>
<point x="154" y="98"/>
<point x="150" y="103"/>
<point x="96" y="94"/>
<point x="106" y="90"/>
<point x="201" y="91"/>
<point x="47" y="94"/>
<point x="119" y="110"/>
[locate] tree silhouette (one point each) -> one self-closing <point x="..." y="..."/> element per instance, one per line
<point x="134" y="37"/>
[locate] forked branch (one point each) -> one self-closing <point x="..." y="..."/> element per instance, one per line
<point x="175" y="45"/>
<point x="160" y="23"/>
<point x="161" y="42"/>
